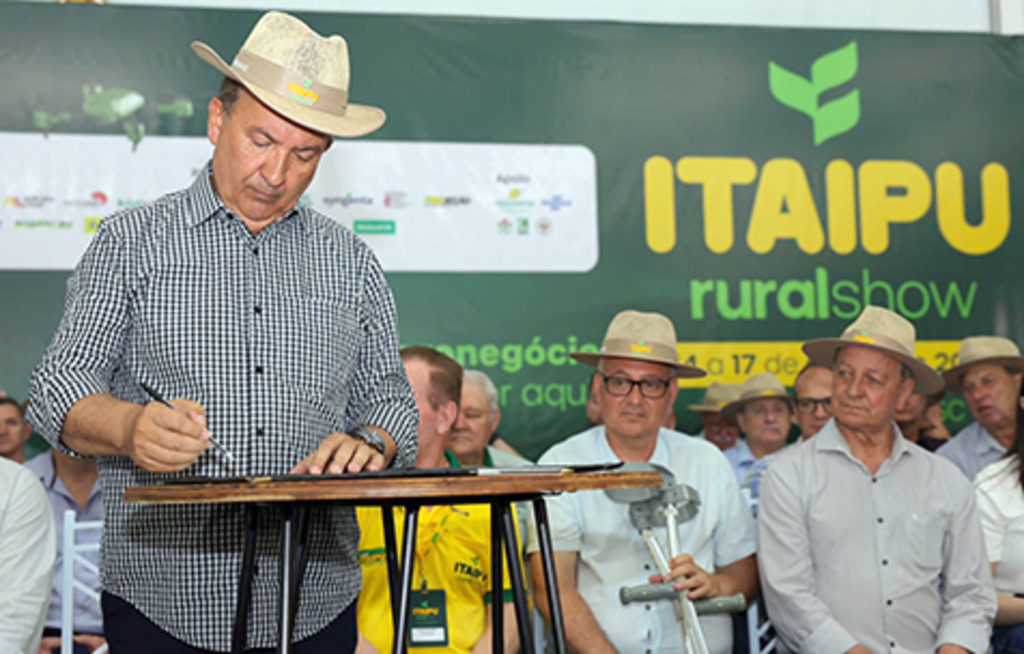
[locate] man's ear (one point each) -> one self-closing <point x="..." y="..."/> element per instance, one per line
<point x="215" y="119"/>
<point x="496" y="420"/>
<point x="450" y="413"/>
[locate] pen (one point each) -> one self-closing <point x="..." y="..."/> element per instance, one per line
<point x="162" y="400"/>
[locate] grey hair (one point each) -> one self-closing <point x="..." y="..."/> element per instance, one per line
<point x="484" y="382"/>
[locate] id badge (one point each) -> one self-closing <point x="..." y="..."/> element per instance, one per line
<point x="428" y="624"/>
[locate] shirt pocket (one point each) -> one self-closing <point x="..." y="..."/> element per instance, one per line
<point x="925" y="535"/>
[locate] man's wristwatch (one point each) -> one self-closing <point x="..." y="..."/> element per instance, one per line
<point x="370" y="437"/>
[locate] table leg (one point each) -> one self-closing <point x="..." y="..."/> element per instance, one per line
<point x="303" y="517"/>
<point x="540" y="512"/>
<point x="497" y="579"/>
<point x="241" y="629"/>
<point x="391" y="558"/>
<point x="412" y="513"/>
<point x="518" y="581"/>
<point x="284" y="646"/>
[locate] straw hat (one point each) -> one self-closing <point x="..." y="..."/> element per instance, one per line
<point x="992" y="350"/>
<point x="758" y="387"/>
<point x="643" y="337"/>
<point x="716" y="397"/>
<point x="299" y="74"/>
<point x="879" y="329"/>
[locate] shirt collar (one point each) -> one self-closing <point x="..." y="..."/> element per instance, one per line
<point x="452" y="461"/>
<point x="987" y="443"/>
<point x="205" y="203"/>
<point x="829" y="439"/>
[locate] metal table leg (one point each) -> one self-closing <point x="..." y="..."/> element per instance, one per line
<point x="284" y="646"/>
<point x="497" y="579"/>
<point x="518" y="581"/>
<point x="391" y="559"/>
<point x="303" y="518"/>
<point x="547" y="555"/>
<point x="412" y="513"/>
<point x="241" y="628"/>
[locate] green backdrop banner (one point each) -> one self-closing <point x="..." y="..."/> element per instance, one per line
<point x="758" y="186"/>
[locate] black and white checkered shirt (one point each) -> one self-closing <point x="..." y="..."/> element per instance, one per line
<point x="284" y="337"/>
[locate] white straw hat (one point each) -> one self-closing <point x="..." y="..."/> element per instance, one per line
<point x="641" y="336"/>
<point x="974" y="350"/>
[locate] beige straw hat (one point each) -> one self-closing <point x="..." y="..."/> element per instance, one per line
<point x="299" y="74"/>
<point x="716" y="397"/>
<point x="992" y="350"/>
<point x="883" y="330"/>
<point x="641" y="336"/>
<point x="757" y="387"/>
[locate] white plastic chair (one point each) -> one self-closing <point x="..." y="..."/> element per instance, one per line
<point x="757" y="630"/>
<point x="72" y="554"/>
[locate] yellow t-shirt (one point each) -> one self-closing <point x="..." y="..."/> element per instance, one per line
<point x="453" y="554"/>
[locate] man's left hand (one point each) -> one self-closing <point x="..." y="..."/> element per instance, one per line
<point x="951" y="649"/>
<point x="687" y="575"/>
<point x="340" y="453"/>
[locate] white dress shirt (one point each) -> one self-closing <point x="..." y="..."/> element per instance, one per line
<point x="972" y="449"/>
<point x="895" y="561"/>
<point x="612" y="554"/>
<point x="28" y="548"/>
<point x="1001" y="504"/>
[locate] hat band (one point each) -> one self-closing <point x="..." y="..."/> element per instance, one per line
<point x="657" y="352"/>
<point x="859" y="337"/>
<point x="289" y="84"/>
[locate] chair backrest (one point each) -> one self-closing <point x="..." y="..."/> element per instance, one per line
<point x="73" y="552"/>
<point x="759" y="630"/>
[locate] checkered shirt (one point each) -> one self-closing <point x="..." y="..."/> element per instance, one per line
<point x="284" y="337"/>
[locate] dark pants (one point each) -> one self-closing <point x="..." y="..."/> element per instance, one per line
<point x="1008" y="640"/>
<point x="127" y="631"/>
<point x="53" y="632"/>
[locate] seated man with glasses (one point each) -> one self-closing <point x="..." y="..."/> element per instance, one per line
<point x="597" y="548"/>
<point x="813" y="394"/>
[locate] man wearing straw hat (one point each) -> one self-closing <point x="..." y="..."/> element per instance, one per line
<point x="718" y="429"/>
<point x="989" y="377"/>
<point x="764" y="411"/>
<point x="867" y="542"/>
<point x="276" y="329"/>
<point x="598" y="550"/>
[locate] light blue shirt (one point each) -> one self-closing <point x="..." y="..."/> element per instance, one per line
<point x="972" y="449"/>
<point x="612" y="553"/>
<point x="88" y="617"/>
<point x="741" y="459"/>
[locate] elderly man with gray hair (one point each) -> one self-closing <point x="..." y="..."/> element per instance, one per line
<point x="473" y="440"/>
<point x="867" y="542"/>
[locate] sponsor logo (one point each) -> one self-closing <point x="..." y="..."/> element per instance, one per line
<point x="395" y="200"/>
<point x="446" y="201"/>
<point x="522" y="226"/>
<point x="348" y="200"/>
<point x="130" y="203"/>
<point x="828" y="72"/>
<point x="97" y="199"/>
<point x="640" y="348"/>
<point x="544" y="226"/>
<point x="303" y="93"/>
<point x="92" y="224"/>
<point x="515" y="178"/>
<point x="514" y="200"/>
<point x="62" y="225"/>
<point x="379" y="227"/>
<point x="556" y="203"/>
<point x="26" y="201"/>
<point x="505" y="226"/>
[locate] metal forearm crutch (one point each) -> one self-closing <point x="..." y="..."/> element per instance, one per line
<point x="667" y="507"/>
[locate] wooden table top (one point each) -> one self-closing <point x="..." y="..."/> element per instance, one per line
<point x="393" y="489"/>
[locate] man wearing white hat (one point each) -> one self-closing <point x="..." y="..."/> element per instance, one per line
<point x="275" y="328"/>
<point x="718" y="429"/>
<point x="867" y="542"/>
<point x="764" y="412"/>
<point x="989" y="377"/>
<point x="598" y="550"/>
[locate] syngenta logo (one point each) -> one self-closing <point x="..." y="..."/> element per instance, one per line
<point x="829" y="71"/>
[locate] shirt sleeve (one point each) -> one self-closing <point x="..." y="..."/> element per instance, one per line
<point x="787" y="572"/>
<point x="968" y="595"/>
<point x="381" y="394"/>
<point x="28" y="550"/>
<point x="89" y="342"/>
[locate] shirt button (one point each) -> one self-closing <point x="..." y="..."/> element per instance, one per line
<point x="258" y="309"/>
<point x="885" y="561"/>
<point x="881" y="520"/>
<point x="647" y="606"/>
<point x="256" y="250"/>
<point x="259" y="370"/>
<point x="888" y="602"/>
<point x="259" y="431"/>
<point x="647" y="566"/>
<point x="874" y="480"/>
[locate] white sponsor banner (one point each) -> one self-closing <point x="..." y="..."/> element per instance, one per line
<point x="425" y="207"/>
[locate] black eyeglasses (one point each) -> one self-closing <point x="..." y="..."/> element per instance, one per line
<point x="810" y="404"/>
<point x="652" y="388"/>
